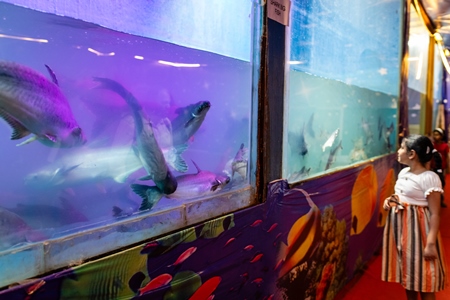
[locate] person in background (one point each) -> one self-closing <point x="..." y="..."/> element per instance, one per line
<point x="412" y="249"/>
<point x="441" y="146"/>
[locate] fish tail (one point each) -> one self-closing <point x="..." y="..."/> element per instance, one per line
<point x="119" y="89"/>
<point x="150" y="195"/>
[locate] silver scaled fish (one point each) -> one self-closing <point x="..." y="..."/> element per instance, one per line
<point x="32" y="104"/>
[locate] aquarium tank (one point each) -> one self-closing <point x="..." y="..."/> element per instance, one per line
<point x="343" y="70"/>
<point x="120" y="122"/>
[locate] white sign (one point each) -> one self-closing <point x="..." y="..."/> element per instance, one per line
<point x="279" y="10"/>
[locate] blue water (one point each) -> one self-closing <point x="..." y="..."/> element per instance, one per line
<point x="319" y="108"/>
<point x="78" y="51"/>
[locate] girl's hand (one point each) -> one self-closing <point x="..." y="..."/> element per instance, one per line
<point x="386" y="204"/>
<point x="430" y="252"/>
<point x="392" y="201"/>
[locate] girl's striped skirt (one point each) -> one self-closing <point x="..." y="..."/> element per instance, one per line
<point x="404" y="239"/>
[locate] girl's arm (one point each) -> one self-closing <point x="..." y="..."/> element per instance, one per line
<point x="434" y="205"/>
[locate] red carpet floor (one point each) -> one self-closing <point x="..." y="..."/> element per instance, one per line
<point x="369" y="286"/>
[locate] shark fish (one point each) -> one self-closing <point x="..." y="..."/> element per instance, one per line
<point x="146" y="145"/>
<point x="190" y="186"/>
<point x="297" y="142"/>
<point x="329" y="142"/>
<point x="188" y="121"/>
<point x="299" y="175"/>
<point x="86" y="166"/>
<point x="332" y="156"/>
<point x="32" y="104"/>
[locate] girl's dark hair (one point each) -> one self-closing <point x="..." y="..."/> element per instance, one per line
<point x="426" y="152"/>
<point x="436" y="166"/>
<point x="422" y="145"/>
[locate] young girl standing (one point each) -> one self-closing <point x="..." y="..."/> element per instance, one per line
<point x="412" y="248"/>
<point x="441" y="146"/>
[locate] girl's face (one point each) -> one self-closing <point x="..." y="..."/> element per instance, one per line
<point x="437" y="136"/>
<point x="403" y="154"/>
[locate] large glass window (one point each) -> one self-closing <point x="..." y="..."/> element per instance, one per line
<point x="343" y="85"/>
<point x="139" y="117"/>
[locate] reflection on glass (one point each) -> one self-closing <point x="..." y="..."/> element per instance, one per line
<point x="343" y="85"/>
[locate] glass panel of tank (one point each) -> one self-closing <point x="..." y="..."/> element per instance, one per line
<point x="100" y="128"/>
<point x="343" y="87"/>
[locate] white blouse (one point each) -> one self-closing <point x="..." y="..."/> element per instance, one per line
<point x="414" y="188"/>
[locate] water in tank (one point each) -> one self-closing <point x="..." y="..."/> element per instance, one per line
<point x="99" y="125"/>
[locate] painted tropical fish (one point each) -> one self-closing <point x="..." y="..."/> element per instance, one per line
<point x="32" y="104"/>
<point x="302" y="240"/>
<point x="118" y="282"/>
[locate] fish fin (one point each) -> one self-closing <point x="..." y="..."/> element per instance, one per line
<point x="180" y="164"/>
<point x="19" y="131"/>
<point x="72" y="168"/>
<point x="52" y="75"/>
<point x="62" y="172"/>
<point x="31" y="139"/>
<point x="198" y="169"/>
<point x="51" y="138"/>
<point x="117" y="211"/>
<point x="146" y="177"/>
<point x="121" y="178"/>
<point x="181" y="148"/>
<point x="150" y="195"/>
